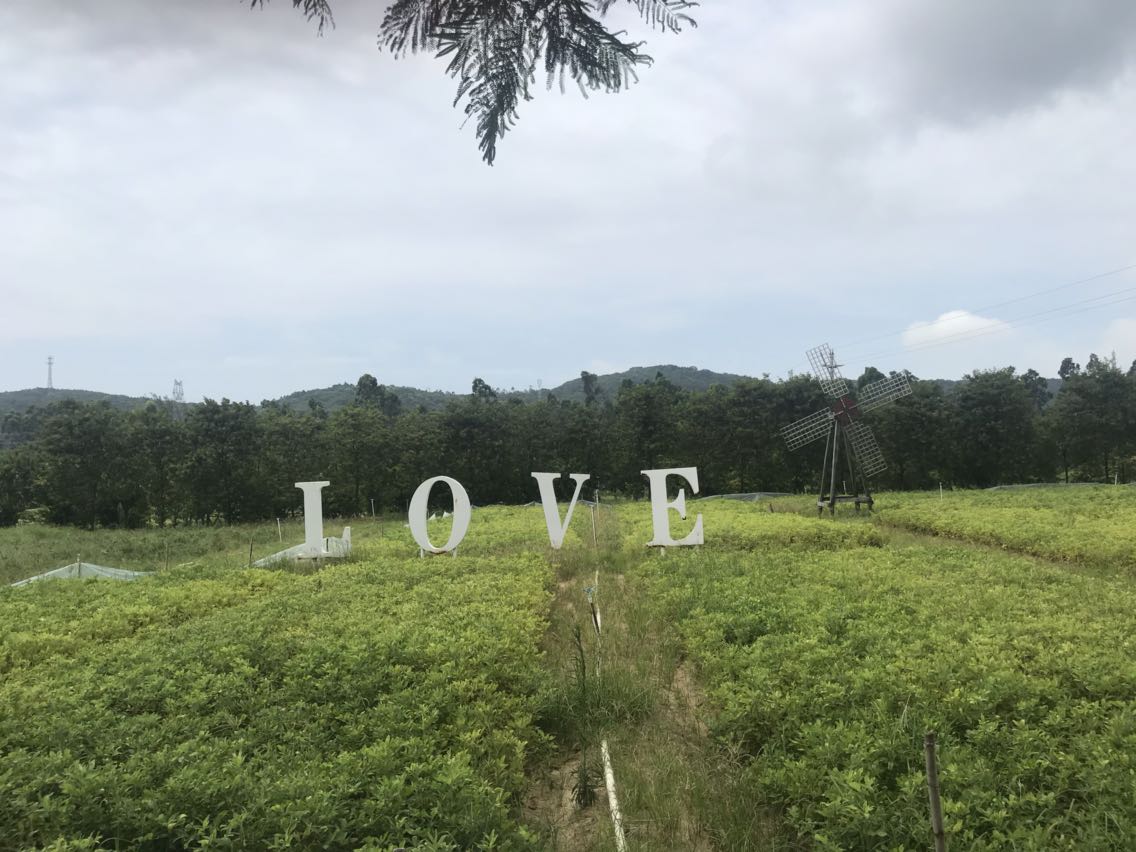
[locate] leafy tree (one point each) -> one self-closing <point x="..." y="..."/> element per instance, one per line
<point x="590" y="382"/>
<point x="995" y="427"/>
<point x="359" y="439"/>
<point x="18" y="482"/>
<point x="482" y="391"/>
<point x="870" y="374"/>
<point x="914" y="435"/>
<point x="368" y="392"/>
<point x="494" y="48"/>
<point x="90" y="466"/>
<point x="20" y="427"/>
<point x="159" y="442"/>
<point x="645" y="430"/>
<point x="1068" y="368"/>
<point x="1038" y="388"/>
<point x="293" y="448"/>
<point x="797" y="397"/>
<point x="1092" y="418"/>
<point x="223" y="473"/>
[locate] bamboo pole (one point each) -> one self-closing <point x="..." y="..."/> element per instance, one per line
<point x="609" y="772"/>
<point x="933" y="792"/>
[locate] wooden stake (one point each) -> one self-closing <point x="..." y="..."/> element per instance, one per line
<point x="933" y="792"/>
<point x="250" y="551"/>
<point x="595" y="543"/>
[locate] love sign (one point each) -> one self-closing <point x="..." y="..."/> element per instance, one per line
<point x="557" y="528"/>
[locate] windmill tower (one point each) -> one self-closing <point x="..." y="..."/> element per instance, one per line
<point x="845" y="431"/>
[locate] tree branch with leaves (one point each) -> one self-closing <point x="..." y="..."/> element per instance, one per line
<point x="494" y="48"/>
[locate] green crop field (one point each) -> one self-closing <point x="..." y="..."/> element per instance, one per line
<point x="1091" y="525"/>
<point x="768" y="690"/>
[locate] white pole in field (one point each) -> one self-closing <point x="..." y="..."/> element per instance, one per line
<point x="609" y="773"/>
<point x="372" y="508"/>
<point x="940" y="491"/>
<point x="595" y="543"/>
<point x="279" y="531"/>
<point x="616" y="814"/>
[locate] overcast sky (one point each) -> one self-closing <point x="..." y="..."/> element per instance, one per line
<point x="199" y="191"/>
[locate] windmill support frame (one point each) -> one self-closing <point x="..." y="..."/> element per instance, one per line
<point x="830" y="495"/>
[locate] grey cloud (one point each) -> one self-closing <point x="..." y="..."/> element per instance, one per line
<point x="777" y="172"/>
<point x="973" y="59"/>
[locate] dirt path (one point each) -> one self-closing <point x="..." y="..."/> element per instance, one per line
<point x="673" y="781"/>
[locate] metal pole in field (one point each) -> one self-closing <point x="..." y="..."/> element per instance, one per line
<point x="372" y="508"/>
<point x="595" y="543"/>
<point x="250" y="551"/>
<point x="279" y="531"/>
<point x="933" y="792"/>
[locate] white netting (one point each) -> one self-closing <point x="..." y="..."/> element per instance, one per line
<point x="83" y="571"/>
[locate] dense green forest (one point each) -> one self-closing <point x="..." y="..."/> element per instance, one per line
<point x="216" y="462"/>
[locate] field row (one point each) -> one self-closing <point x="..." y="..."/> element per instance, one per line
<point x="825" y="668"/>
<point x="1087" y="525"/>
<point x="380" y="704"/>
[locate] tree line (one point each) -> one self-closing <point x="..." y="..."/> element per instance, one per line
<point x="227" y="462"/>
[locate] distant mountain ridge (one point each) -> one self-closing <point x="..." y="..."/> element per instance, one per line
<point x="687" y="378"/>
<point x="340" y="395"/>
<point x="15" y="402"/>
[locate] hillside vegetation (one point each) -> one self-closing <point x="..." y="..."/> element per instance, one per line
<point x="227" y="462"/>
<point x="340" y="395"/>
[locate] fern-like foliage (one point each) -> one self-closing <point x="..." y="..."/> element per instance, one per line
<point x="494" y="48"/>
<point x="314" y="10"/>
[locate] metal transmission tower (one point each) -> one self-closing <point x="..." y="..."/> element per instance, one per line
<point x="50" y="364"/>
<point x="844" y="429"/>
<point x="178" y="394"/>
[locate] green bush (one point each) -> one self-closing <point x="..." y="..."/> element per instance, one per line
<point x="373" y="704"/>
<point x="826" y="668"/>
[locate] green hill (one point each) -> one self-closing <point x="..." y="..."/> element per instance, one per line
<point x="340" y="395"/>
<point x="687" y="378"/>
<point x="15" y="402"/>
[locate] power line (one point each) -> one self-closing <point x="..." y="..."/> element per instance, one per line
<point x="1053" y="313"/>
<point x="991" y="307"/>
<point x="966" y="335"/>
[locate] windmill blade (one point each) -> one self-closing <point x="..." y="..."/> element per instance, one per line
<point x="884" y="391"/>
<point x="868" y="452"/>
<point x="808" y="429"/>
<point x="823" y="361"/>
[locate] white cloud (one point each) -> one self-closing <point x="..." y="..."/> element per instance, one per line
<point x="952" y="327"/>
